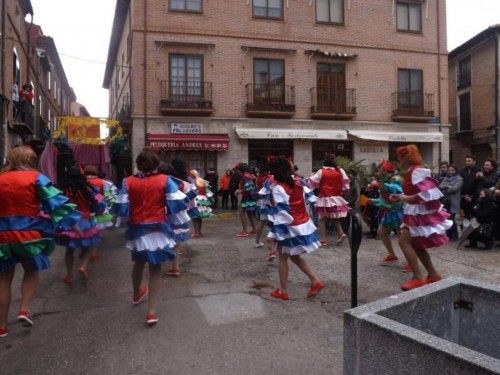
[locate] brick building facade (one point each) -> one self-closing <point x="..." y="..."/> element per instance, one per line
<point x="29" y="57"/>
<point x="297" y="78"/>
<point x="474" y="70"/>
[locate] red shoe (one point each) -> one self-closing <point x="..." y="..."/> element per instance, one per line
<point x="432" y="279"/>
<point x="412" y="284"/>
<point x="407" y="268"/>
<point x="323" y="243"/>
<point x="143" y="292"/>
<point x="242" y="234"/>
<point x="341" y="239"/>
<point x="276" y="293"/>
<point x="175" y="272"/>
<point x="389" y="259"/>
<point x="151" y="319"/>
<point x="315" y="288"/>
<point x="271" y="256"/>
<point x="253" y="231"/>
<point x="195" y="236"/>
<point x="3" y="332"/>
<point x="25" y="318"/>
<point x="83" y="273"/>
<point x="68" y="280"/>
<point x="94" y="258"/>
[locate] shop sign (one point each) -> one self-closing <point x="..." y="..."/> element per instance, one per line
<point x="189" y="145"/>
<point x="183" y="128"/>
<point x="367" y="147"/>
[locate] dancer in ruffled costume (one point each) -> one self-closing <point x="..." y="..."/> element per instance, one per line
<point x="107" y="190"/>
<point x="90" y="203"/>
<point x="248" y="203"/>
<point x="392" y="212"/>
<point x="332" y="183"/>
<point x="263" y="179"/>
<point x="203" y="201"/>
<point x="153" y="203"/>
<point x="292" y="229"/>
<point x="26" y="234"/>
<point x="425" y="220"/>
<point x="181" y="231"/>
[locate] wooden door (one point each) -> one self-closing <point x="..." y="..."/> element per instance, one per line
<point x="331" y="88"/>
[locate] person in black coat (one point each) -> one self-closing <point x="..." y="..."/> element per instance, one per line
<point x="485" y="212"/>
<point x="234" y="185"/>
<point x="487" y="178"/>
<point x="468" y="193"/>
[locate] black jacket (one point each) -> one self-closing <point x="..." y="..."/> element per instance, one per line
<point x="469" y="176"/>
<point x="486" y="210"/>
<point x="488" y="180"/>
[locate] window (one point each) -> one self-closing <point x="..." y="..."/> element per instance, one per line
<point x="269" y="80"/>
<point x="16" y="73"/>
<point x="186" y="5"/>
<point x="409" y="17"/>
<point x="49" y="120"/>
<point x="268" y="8"/>
<point x="55" y="89"/>
<point x="186" y="74"/>
<point x="40" y="106"/>
<point x="464" y="73"/>
<point x="410" y="93"/>
<point x="339" y="148"/>
<point x="123" y="63"/>
<point x="330" y="11"/>
<point x="465" y="112"/>
<point x="202" y="161"/>
<point x="48" y="80"/>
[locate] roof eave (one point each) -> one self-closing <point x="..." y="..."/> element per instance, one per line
<point x="121" y="11"/>
<point x="475" y="40"/>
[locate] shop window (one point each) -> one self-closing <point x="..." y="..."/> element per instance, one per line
<point x="265" y="148"/>
<point x="409" y="17"/>
<point x="16" y="74"/>
<point x="186" y="5"/>
<point x="202" y="161"/>
<point x="268" y="9"/>
<point x="330" y="11"/>
<point x="320" y="148"/>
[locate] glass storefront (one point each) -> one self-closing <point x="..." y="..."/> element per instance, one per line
<point x="320" y="148"/>
<point x="264" y="148"/>
<point x="202" y="161"/>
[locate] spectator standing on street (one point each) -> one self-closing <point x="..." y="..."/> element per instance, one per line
<point x="234" y="185"/>
<point x="485" y="212"/>
<point x="213" y="180"/>
<point x="443" y="171"/>
<point x="468" y="174"/>
<point x="26" y="236"/>
<point x="425" y="221"/>
<point x="153" y="203"/>
<point x="487" y="178"/>
<point x="224" y="188"/>
<point x="451" y="186"/>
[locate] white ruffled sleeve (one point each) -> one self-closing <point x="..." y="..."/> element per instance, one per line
<point x="279" y="213"/>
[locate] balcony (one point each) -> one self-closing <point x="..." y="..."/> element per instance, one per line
<point x="412" y="106"/>
<point x="332" y="104"/>
<point x="270" y="100"/>
<point x="186" y="98"/>
<point x="24" y="122"/>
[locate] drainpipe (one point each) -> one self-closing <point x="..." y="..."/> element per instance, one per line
<point x="497" y="101"/>
<point x="145" y="81"/>
<point x="438" y="14"/>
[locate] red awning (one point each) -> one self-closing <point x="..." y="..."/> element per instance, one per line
<point x="189" y="142"/>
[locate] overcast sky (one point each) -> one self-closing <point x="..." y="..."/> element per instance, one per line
<point x="81" y="28"/>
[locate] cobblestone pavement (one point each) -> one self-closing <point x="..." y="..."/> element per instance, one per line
<point x="217" y="318"/>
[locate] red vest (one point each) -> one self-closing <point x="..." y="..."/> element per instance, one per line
<point x="81" y="201"/>
<point x="18" y="196"/>
<point x="297" y="205"/>
<point x="147" y="198"/>
<point x="331" y="183"/>
<point x="97" y="182"/>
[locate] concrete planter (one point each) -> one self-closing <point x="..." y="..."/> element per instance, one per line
<point x="449" y="327"/>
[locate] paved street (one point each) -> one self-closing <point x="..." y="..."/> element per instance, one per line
<point x="212" y="320"/>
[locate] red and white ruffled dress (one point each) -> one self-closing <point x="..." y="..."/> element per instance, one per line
<point x="331" y="182"/>
<point x="425" y="218"/>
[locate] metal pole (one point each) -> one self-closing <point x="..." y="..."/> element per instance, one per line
<point x="355" y="233"/>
